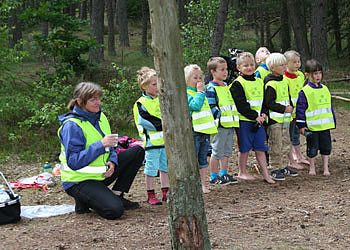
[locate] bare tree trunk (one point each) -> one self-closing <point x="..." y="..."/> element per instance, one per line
<point x="182" y="11"/>
<point x="285" y="41"/>
<point x="187" y="219"/>
<point x="15" y="28"/>
<point x="97" y="30"/>
<point x="319" y="42"/>
<point x="83" y="10"/>
<point x="144" y="27"/>
<point x="336" y="26"/>
<point x="297" y="18"/>
<point x="110" y="16"/>
<point x="122" y="23"/>
<point x="44" y="29"/>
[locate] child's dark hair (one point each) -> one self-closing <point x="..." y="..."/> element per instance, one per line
<point x="312" y="66"/>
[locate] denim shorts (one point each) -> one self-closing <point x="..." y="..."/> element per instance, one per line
<point x="222" y="143"/>
<point x="155" y="160"/>
<point x="294" y="133"/>
<point x="319" y="140"/>
<point x="251" y="140"/>
<point x="201" y="145"/>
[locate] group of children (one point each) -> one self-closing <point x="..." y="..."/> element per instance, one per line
<point x="268" y="107"/>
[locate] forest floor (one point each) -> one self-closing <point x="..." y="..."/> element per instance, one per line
<point x="301" y="212"/>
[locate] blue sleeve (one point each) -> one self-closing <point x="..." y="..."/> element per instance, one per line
<point x="257" y="74"/>
<point x="301" y="107"/>
<point x="145" y="123"/>
<point x="74" y="141"/>
<point x="213" y="102"/>
<point x="196" y="102"/>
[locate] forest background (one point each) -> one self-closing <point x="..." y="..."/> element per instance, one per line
<point x="46" y="47"/>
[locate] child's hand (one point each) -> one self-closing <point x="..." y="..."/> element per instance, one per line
<point x="260" y="120"/>
<point x="289" y="109"/>
<point x="200" y="87"/>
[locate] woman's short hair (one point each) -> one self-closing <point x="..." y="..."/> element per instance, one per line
<point x="188" y="70"/>
<point x="275" y="59"/>
<point x="84" y="91"/>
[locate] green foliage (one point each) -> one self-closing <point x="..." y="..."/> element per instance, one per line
<point x="120" y="95"/>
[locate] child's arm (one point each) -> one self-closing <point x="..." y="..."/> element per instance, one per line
<point x="301" y="107"/>
<point x="269" y="102"/>
<point x="213" y="102"/>
<point x="240" y="100"/>
<point x="147" y="121"/>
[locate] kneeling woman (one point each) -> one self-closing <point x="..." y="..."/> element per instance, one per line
<point x="89" y="161"/>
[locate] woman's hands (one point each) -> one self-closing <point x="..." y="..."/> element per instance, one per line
<point x="110" y="170"/>
<point x="110" y="140"/>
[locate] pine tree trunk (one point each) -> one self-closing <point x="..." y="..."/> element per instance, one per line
<point x="336" y="26"/>
<point x="145" y="19"/>
<point x="182" y="11"/>
<point x="15" y="28"/>
<point x="110" y="16"/>
<point x="285" y="41"/>
<point x="83" y="10"/>
<point x="187" y="219"/>
<point x="122" y="23"/>
<point x="97" y="30"/>
<point x="319" y="42"/>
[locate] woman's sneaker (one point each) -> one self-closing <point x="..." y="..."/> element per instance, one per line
<point x="277" y="175"/>
<point x="289" y="171"/>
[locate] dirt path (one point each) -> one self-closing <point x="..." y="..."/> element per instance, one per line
<point x="302" y="212"/>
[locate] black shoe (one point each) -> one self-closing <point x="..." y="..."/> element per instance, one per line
<point x="229" y="179"/>
<point x="81" y="208"/>
<point x="219" y="180"/>
<point x="288" y="171"/>
<point x="277" y="175"/>
<point x="128" y="205"/>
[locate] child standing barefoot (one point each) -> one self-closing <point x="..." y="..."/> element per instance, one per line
<point x="315" y="116"/>
<point x="149" y="124"/>
<point x="202" y="119"/>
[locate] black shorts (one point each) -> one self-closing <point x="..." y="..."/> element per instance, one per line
<point x="319" y="140"/>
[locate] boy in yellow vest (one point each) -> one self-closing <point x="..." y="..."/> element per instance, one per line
<point x="260" y="58"/>
<point x="295" y="80"/>
<point x="225" y="112"/>
<point x="149" y="124"/>
<point x="248" y="93"/>
<point x="202" y="119"/>
<point x="277" y="100"/>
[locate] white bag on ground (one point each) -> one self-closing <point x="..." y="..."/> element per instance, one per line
<point x="42" y="211"/>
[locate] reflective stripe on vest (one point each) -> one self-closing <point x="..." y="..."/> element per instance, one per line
<point x="153" y="108"/>
<point x="229" y="115"/>
<point x="203" y="120"/>
<point x="97" y="168"/>
<point x="319" y="114"/>
<point x="295" y="85"/>
<point x="254" y="93"/>
<point x="282" y="97"/>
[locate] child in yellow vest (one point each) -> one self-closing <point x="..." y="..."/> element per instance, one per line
<point x="202" y="119"/>
<point x="149" y="124"/>
<point x="315" y="116"/>
<point x="295" y="82"/>
<point x="248" y="93"/>
<point x="260" y="58"/>
<point x="277" y="100"/>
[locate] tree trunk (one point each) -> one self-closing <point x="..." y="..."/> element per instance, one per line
<point x="182" y="11"/>
<point x="336" y="26"/>
<point x="297" y="18"/>
<point x="285" y="41"/>
<point x="44" y="29"/>
<point x="110" y="16"/>
<point x="122" y="23"/>
<point x="144" y="27"/>
<point x="187" y="219"/>
<point x="83" y="10"/>
<point x="97" y="30"/>
<point x="15" y="28"/>
<point x="319" y="43"/>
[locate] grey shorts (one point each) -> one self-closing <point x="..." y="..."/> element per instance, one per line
<point x="222" y="143"/>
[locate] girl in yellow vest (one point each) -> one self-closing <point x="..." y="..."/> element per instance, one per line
<point x="202" y="119"/>
<point x="315" y="116"/>
<point x="89" y="161"/>
<point x="295" y="80"/>
<point x="149" y="125"/>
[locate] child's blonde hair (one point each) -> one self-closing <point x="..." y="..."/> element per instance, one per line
<point x="145" y="75"/>
<point x="189" y="70"/>
<point x="258" y="58"/>
<point x="290" y="54"/>
<point x="214" y="62"/>
<point x="242" y="56"/>
<point x="275" y="59"/>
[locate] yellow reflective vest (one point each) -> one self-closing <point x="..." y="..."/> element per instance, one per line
<point x="97" y="168"/>
<point x="295" y="85"/>
<point x="318" y="114"/>
<point x="282" y="97"/>
<point x="263" y="72"/>
<point x="229" y="115"/>
<point x="254" y="93"/>
<point x="153" y="108"/>
<point x="203" y="120"/>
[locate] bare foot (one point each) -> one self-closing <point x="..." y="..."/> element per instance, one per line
<point x="303" y="161"/>
<point x="205" y="190"/>
<point x="312" y="172"/>
<point x="326" y="173"/>
<point x="296" y="166"/>
<point x="245" y="177"/>
<point x="269" y="180"/>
